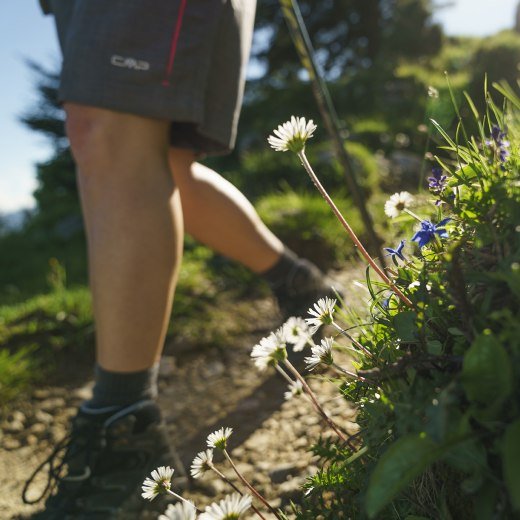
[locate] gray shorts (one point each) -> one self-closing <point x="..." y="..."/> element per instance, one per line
<point x="179" y="60"/>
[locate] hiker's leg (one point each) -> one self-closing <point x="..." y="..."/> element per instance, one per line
<point x="134" y="231"/>
<point x="218" y="215"/>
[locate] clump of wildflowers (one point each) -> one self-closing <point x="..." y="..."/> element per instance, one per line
<point x="323" y="313"/>
<point x="397" y="203"/>
<point x="428" y="231"/>
<point x="292" y="135"/>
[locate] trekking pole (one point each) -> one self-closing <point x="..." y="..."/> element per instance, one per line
<point x="302" y="42"/>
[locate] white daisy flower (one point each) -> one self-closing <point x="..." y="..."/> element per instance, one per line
<point x="397" y="203"/>
<point x="292" y="135"/>
<point x="159" y="484"/>
<point x="270" y="350"/>
<point x="230" y="508"/>
<point x="180" y="511"/>
<point x="294" y="388"/>
<point x="323" y="313"/>
<point x="201" y="463"/>
<point x="219" y="438"/>
<point x="296" y="332"/>
<point x="321" y="354"/>
<point x="433" y="92"/>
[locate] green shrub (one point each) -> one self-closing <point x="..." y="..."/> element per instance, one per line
<point x="305" y="223"/>
<point x="437" y="381"/>
<point x="498" y="58"/>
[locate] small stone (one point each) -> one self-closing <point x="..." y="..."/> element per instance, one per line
<point x="31" y="440"/>
<point x="11" y="444"/>
<point x="244" y="468"/>
<point x="17" y="415"/>
<point x="41" y="394"/>
<point x="83" y="393"/>
<point x="53" y="405"/>
<point x="38" y="428"/>
<point x="43" y="417"/>
<point x="13" y="427"/>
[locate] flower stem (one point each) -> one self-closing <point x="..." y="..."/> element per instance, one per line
<point x="227" y="481"/>
<point x="178" y="497"/>
<point x="250" y="487"/>
<point x="284" y="374"/>
<point x="317" y="405"/>
<point x="412" y="214"/>
<point x="349" y="230"/>
<point x="354" y="341"/>
<point x="348" y="373"/>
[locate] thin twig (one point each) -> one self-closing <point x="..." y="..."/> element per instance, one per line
<point x="317" y="405"/>
<point x="250" y="487"/>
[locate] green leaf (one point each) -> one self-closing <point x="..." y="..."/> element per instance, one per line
<point x="511" y="462"/>
<point x="404" y="323"/>
<point x="454" y="331"/>
<point x="434" y="347"/>
<point x="404" y="460"/>
<point x="486" y="371"/>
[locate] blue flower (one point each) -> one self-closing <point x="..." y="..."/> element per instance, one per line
<point x="437" y="182"/>
<point x="429" y="230"/>
<point x="498" y="143"/>
<point x="396" y="252"/>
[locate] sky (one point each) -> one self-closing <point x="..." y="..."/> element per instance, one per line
<point x="26" y="34"/>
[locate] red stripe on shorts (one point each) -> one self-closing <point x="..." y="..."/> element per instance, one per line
<point x="173" y="45"/>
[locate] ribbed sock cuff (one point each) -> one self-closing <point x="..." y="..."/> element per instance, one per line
<point x="123" y="388"/>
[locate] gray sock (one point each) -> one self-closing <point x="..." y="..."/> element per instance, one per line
<point x="119" y="389"/>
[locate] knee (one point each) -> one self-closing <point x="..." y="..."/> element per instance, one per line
<point x="87" y="132"/>
<point x="84" y="127"/>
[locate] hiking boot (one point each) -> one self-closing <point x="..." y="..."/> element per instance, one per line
<point x="304" y="286"/>
<point x="107" y="456"/>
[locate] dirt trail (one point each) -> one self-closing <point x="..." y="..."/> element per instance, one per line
<point x="200" y="391"/>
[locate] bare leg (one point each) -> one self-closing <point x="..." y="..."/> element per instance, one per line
<point x="134" y="229"/>
<point x="218" y="215"/>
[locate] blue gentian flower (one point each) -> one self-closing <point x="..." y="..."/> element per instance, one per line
<point x="396" y="252"/>
<point x="429" y="230"/>
<point x="498" y="143"/>
<point x="437" y="182"/>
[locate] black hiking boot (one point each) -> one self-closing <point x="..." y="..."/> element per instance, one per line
<point x="106" y="458"/>
<point x="304" y="286"/>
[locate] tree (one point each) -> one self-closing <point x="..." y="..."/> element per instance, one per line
<point x="348" y="35"/>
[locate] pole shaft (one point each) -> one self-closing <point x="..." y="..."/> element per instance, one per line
<point x="301" y="39"/>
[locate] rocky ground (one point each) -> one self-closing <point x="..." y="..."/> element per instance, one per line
<point x="201" y="390"/>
